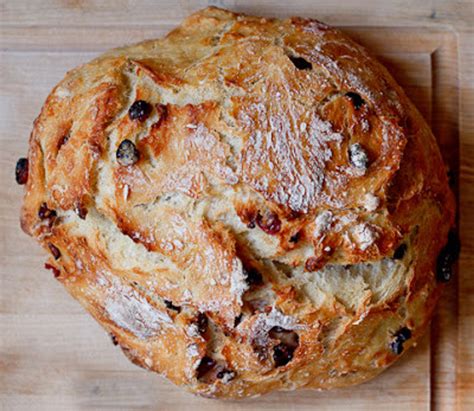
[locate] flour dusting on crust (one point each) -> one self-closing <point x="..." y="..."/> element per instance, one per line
<point x="131" y="311"/>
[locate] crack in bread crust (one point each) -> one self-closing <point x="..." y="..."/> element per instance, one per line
<point x="254" y="243"/>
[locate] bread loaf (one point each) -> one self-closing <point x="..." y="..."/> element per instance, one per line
<point x="245" y="205"/>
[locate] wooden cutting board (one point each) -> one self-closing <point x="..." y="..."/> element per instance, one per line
<point x="53" y="356"/>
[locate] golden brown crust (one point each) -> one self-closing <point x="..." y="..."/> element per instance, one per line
<point x="250" y="247"/>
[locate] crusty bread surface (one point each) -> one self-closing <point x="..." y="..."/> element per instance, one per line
<point x="245" y="205"/>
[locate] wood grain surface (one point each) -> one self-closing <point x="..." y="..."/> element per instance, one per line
<point x="53" y="356"/>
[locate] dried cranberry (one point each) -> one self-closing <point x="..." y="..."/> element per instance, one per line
<point x="127" y="154"/>
<point x="282" y="354"/>
<point x="54" y="250"/>
<point x="21" y="171"/>
<point x="396" y="346"/>
<point x="300" y="63"/>
<point x="313" y="264"/>
<point x="402" y="335"/>
<point x="269" y="222"/>
<point x="81" y="211"/>
<point x="238" y="320"/>
<point x="63" y="140"/>
<point x="289" y="340"/>
<point x="356" y="99"/>
<point x="171" y="306"/>
<point x="55" y="270"/>
<point x="139" y="110"/>
<point x="447" y="257"/>
<point x="295" y="237"/>
<point x="206" y="365"/>
<point x="400" y="252"/>
<point x="45" y="213"/>
<point x="252" y="276"/>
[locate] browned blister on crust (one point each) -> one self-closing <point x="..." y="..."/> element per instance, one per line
<point x="246" y="205"/>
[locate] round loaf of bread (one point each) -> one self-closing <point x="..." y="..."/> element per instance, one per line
<point x="246" y="205"/>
